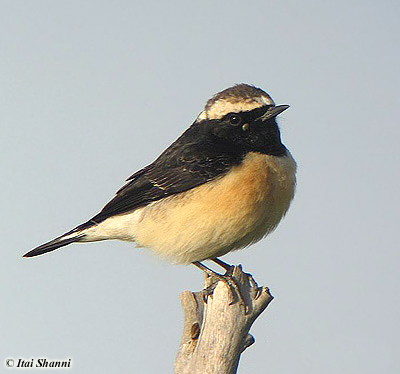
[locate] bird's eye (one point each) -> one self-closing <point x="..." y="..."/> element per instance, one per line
<point x="234" y="119"/>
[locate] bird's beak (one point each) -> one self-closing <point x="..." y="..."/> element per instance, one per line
<point x="273" y="112"/>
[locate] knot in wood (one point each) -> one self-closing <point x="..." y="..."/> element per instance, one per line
<point x="195" y="331"/>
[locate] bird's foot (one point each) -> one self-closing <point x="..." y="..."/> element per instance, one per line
<point x="229" y="279"/>
<point x="229" y="272"/>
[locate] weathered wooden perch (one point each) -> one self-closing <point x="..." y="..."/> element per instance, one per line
<point x="216" y="331"/>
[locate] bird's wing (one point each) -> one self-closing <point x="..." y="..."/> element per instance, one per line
<point x="181" y="167"/>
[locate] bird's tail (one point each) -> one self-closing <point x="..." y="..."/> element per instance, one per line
<point x="75" y="235"/>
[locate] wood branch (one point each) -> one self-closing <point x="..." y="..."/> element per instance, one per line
<point x="216" y="327"/>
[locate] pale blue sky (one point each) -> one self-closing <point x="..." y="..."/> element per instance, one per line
<point x="91" y="91"/>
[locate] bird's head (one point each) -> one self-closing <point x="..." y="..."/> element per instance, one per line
<point x="243" y="116"/>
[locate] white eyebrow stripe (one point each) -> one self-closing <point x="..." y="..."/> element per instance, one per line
<point x="202" y="116"/>
<point x="222" y="107"/>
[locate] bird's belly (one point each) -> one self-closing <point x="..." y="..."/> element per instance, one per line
<point x="219" y="216"/>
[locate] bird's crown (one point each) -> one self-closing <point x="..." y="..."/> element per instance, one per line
<point x="239" y="98"/>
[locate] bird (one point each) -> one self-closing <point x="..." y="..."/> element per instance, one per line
<point x="223" y="185"/>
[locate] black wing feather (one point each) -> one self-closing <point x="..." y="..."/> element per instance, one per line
<point x="190" y="161"/>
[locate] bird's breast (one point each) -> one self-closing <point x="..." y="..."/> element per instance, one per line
<point x="227" y="213"/>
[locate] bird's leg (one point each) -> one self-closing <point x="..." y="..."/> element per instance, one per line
<point x="207" y="291"/>
<point x="207" y="270"/>
<point x="227" y="279"/>
<point x="223" y="264"/>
